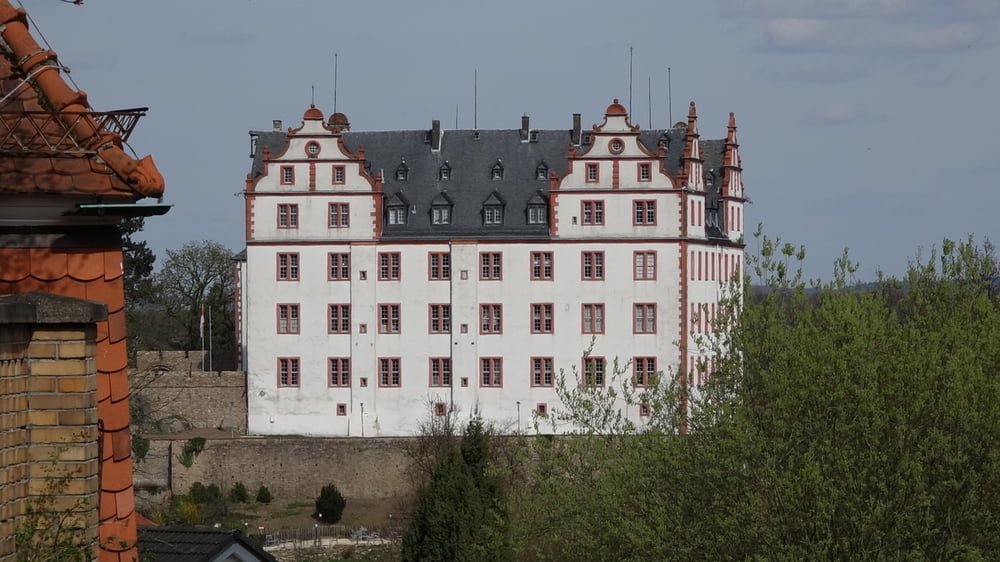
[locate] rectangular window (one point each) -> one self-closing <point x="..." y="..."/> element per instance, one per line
<point x="340" y="371"/>
<point x="340" y="319"/>
<point x="593" y="212"/>
<point x="397" y="215"/>
<point x="541" y="318"/>
<point x="288" y="371"/>
<point x="541" y="371"/>
<point x="441" y="215"/>
<point x="536" y="215"/>
<point x="593" y="318"/>
<point x="593" y="371"/>
<point x="440" y="409"/>
<point x="592" y="266"/>
<point x="645" y="318"/>
<point x="491" y="371"/>
<point x="439" y="316"/>
<point x="644" y="172"/>
<point x="287" y="175"/>
<point x="288" y="267"/>
<point x="541" y="266"/>
<point x="388" y="266"/>
<point x="593" y="173"/>
<point x="438" y="266"/>
<point x="388" y="372"/>
<point x="644" y="368"/>
<point x="440" y="371"/>
<point x="338" y="174"/>
<point x="491" y="266"/>
<point x="388" y="318"/>
<point x="645" y="212"/>
<point x="288" y="215"/>
<point x="493" y="214"/>
<point x="491" y="319"/>
<point x="340" y="215"/>
<point x="288" y="318"/>
<point x="341" y="409"/>
<point x="340" y="266"/>
<point x="645" y="266"/>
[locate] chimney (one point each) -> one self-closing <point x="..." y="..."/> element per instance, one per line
<point x="276" y="124"/>
<point x="577" y="129"/>
<point x="436" y="134"/>
<point x="524" y="127"/>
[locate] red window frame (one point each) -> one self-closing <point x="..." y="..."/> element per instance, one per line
<point x="491" y="372"/>
<point x="438" y="266"/>
<point x="490" y="266"/>
<point x="287" y="175"/>
<point x="644" y="318"/>
<point x="289" y="374"/>
<point x="339" y="372"/>
<point x="592" y="172"/>
<point x="439" y="372"/>
<point x="592" y="266"/>
<point x="390" y="372"/>
<point x="288" y="266"/>
<point x="542" y="318"/>
<point x="389" y="266"/>
<point x="643" y="369"/>
<point x="592" y="318"/>
<point x="339" y="175"/>
<point x="594" y="371"/>
<point x="289" y="321"/>
<point x="439" y="318"/>
<point x="491" y="318"/>
<point x="339" y="215"/>
<point x="644" y="212"/>
<point x="389" y="318"/>
<point x="542" y="266"/>
<point x="339" y="264"/>
<point x="592" y="212"/>
<point x="288" y="215"/>
<point x="542" y="373"/>
<point x="644" y="265"/>
<point x="340" y="318"/>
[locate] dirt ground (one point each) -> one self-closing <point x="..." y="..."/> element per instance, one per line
<point x="299" y="513"/>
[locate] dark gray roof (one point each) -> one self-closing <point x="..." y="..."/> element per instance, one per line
<point x="471" y="156"/>
<point x="193" y="544"/>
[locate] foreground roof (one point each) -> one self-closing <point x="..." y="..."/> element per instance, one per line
<point x="197" y="544"/>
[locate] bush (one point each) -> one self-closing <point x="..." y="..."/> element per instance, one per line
<point x="264" y="495"/>
<point x="330" y="504"/>
<point x="239" y="493"/>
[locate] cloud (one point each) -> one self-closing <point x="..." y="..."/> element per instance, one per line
<point x="217" y="37"/>
<point x="838" y="113"/>
<point x="825" y="70"/>
<point x="921" y="10"/>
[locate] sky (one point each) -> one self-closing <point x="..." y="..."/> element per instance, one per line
<point x="863" y="124"/>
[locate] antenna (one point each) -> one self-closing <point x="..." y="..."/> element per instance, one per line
<point x="456" y="115"/>
<point x="630" y="81"/>
<point x="475" y="99"/>
<point x="649" y="101"/>
<point x="670" y="102"/>
<point x="334" y="82"/>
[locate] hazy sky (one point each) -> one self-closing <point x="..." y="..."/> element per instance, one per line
<point x="868" y="124"/>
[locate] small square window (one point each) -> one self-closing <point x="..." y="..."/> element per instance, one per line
<point x="542" y="409"/>
<point x="644" y="410"/>
<point x="341" y="409"/>
<point x="362" y="328"/>
<point x="465" y="381"/>
<point x="440" y="409"/>
<point x="363" y="381"/>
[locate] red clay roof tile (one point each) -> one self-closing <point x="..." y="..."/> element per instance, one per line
<point x="119" y="387"/>
<point x="121" y="442"/>
<point x="108" y="506"/>
<point x="126" y="501"/>
<point x="113" y="359"/>
<point x="114" y="414"/>
<point x="116" y="325"/>
<point x="115" y="477"/>
<point x="113" y="266"/>
<point x="69" y="287"/>
<point x="16" y="264"/>
<point x="47" y="264"/>
<point x="103" y="388"/>
<point x="113" y="536"/>
<point x="108" y="292"/>
<point x="85" y="264"/>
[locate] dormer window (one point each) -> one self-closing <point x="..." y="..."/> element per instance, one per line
<point x="537" y="214"/>
<point x="533" y="136"/>
<point x="402" y="172"/>
<point x="542" y="172"/>
<point x="710" y="178"/>
<point x="496" y="172"/>
<point x="444" y="172"/>
<point x="586" y="138"/>
<point x="440" y="214"/>
<point x="397" y="214"/>
<point x="493" y="214"/>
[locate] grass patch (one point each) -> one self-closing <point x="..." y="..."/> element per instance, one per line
<point x="296" y="505"/>
<point x="285" y="513"/>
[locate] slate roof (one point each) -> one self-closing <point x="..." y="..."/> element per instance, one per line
<point x="195" y="544"/>
<point x="471" y="156"/>
<point x="51" y="142"/>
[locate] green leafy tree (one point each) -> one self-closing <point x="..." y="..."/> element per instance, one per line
<point x="238" y="493"/>
<point x="330" y="504"/>
<point x="838" y="422"/>
<point x="263" y="495"/>
<point x="462" y="513"/>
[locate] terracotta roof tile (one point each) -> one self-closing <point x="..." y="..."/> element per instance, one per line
<point x="67" y="286"/>
<point x="108" y="507"/>
<point x="71" y="152"/>
<point x="116" y="325"/>
<point x="115" y="477"/>
<point x="113" y="359"/>
<point x="103" y="386"/>
<point x="109" y="292"/>
<point x="47" y="264"/>
<point x="114" y="534"/>
<point x="16" y="264"/>
<point x="126" y="502"/>
<point x="121" y="442"/>
<point x="113" y="263"/>
<point x="102" y="333"/>
<point x="85" y="264"/>
<point x="119" y="386"/>
<point x="115" y="416"/>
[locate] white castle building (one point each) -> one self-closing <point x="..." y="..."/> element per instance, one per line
<point x="390" y="276"/>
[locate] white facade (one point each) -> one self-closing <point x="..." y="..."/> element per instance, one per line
<point x="342" y="319"/>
